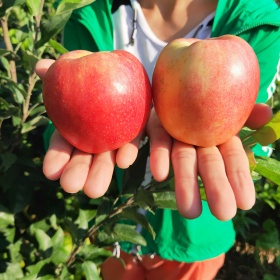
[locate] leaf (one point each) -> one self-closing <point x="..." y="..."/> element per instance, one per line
<point x="70" y="5"/>
<point x="52" y="26"/>
<point x="57" y="46"/>
<point x="202" y="193"/>
<point x="13" y="271"/>
<point x="59" y="256"/>
<point x="29" y="59"/>
<point x="72" y="228"/>
<point x="251" y="158"/>
<point x="14" y="249"/>
<point x="65" y="273"/>
<point x="5" y="52"/>
<point x="42" y="224"/>
<point x="90" y="270"/>
<point x="106" y="238"/>
<point x="67" y="242"/>
<point x="6" y="218"/>
<point x="33" y="7"/>
<point x="7" y="160"/>
<point x="32" y="276"/>
<point x="129" y="234"/>
<point x="134" y="215"/>
<point x="268" y="276"/>
<point x="82" y="220"/>
<point x="57" y="239"/>
<point x="34" y="123"/>
<point x="16" y="88"/>
<point x="43" y="239"/>
<point x="37" y="110"/>
<point x="135" y="174"/>
<point x="270" y="132"/>
<point x="17" y="37"/>
<point x="268" y="168"/>
<point x="6" y="4"/>
<point x="9" y="54"/>
<point x="89" y="214"/>
<point x="6" y="65"/>
<point x="269" y="238"/>
<point x="144" y="199"/>
<point x="165" y="200"/>
<point x="255" y="176"/>
<point x="7" y="110"/>
<point x="91" y="252"/>
<point x="103" y="211"/>
<point x="37" y="268"/>
<point x="19" y="191"/>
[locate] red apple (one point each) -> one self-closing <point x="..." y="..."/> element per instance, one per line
<point x="204" y="90"/>
<point x="97" y="101"/>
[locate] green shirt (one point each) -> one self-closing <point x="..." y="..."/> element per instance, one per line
<point x="258" y="22"/>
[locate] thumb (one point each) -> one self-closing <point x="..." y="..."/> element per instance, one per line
<point x="42" y="66"/>
<point x="260" y="115"/>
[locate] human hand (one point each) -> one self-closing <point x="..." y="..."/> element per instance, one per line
<point x="224" y="169"/>
<point x="78" y="170"/>
<point x="225" y="165"/>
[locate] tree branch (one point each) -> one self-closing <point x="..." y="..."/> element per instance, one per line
<point x="9" y="47"/>
<point x="95" y="227"/>
<point x="38" y="21"/>
<point x="32" y="77"/>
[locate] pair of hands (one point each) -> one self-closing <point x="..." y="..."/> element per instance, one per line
<point x="224" y="169"/>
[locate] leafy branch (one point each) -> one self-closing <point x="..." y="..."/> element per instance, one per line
<point x="32" y="79"/>
<point x="92" y="231"/>
<point x="268" y="134"/>
<point x="9" y="47"/>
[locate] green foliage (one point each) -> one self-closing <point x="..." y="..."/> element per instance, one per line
<point x="258" y="230"/>
<point x="48" y="234"/>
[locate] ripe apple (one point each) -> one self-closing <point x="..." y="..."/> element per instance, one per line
<point x="204" y="90"/>
<point x="97" y="101"/>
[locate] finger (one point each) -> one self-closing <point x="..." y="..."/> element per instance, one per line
<point x="100" y="174"/>
<point x="260" y="115"/>
<point x="218" y="190"/>
<point x="238" y="173"/>
<point x="160" y="148"/>
<point x="127" y="154"/>
<point x="184" y="163"/>
<point x="42" y="66"/>
<point x="57" y="156"/>
<point x="75" y="173"/>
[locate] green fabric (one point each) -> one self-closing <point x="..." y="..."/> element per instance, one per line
<point x="90" y="28"/>
<point x="187" y="240"/>
<point x="48" y="134"/>
<point x="253" y="21"/>
<point x="257" y="21"/>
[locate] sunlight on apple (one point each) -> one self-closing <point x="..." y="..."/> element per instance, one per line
<point x="120" y="87"/>
<point x="235" y="70"/>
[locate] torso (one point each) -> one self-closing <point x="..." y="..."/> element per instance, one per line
<point x="147" y="44"/>
<point x="174" y="19"/>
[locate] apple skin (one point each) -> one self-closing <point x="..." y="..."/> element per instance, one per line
<point x="97" y="101"/>
<point x="204" y="90"/>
